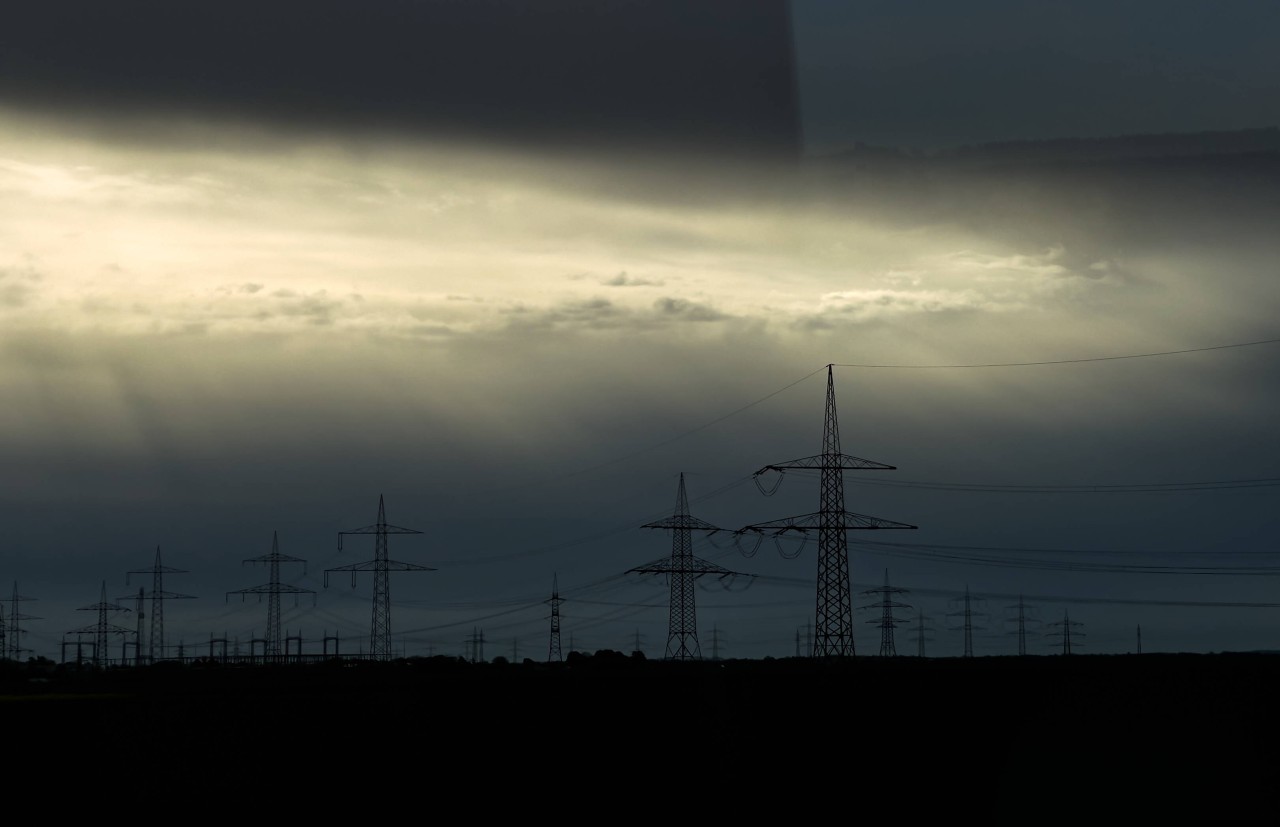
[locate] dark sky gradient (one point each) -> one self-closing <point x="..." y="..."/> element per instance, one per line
<point x="248" y="284"/>
<point x="576" y="75"/>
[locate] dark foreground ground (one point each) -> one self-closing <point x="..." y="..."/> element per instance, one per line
<point x="997" y="739"/>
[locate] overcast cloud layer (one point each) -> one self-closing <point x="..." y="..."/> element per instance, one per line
<point x="217" y="328"/>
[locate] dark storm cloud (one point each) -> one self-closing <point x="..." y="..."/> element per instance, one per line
<point x="928" y="73"/>
<point x="571" y="73"/>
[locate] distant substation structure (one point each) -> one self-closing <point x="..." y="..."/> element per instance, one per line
<point x="834" y="614"/>
<point x="101" y="631"/>
<point x="381" y="565"/>
<point x="683" y="570"/>
<point x="273" y="648"/>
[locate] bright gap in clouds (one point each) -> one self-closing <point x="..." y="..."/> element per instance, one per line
<point x="428" y="243"/>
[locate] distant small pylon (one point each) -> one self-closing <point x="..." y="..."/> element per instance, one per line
<point x="553" y="653"/>
<point x="886" y="620"/>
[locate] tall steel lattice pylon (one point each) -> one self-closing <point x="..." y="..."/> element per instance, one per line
<point x="1021" y="630"/>
<point x="104" y="628"/>
<point x="887" y="621"/>
<point x="1065" y="627"/>
<point x="553" y="652"/>
<point x="967" y="622"/>
<point x="834" y="614"/>
<point x="13" y="647"/>
<point x="381" y="565"/>
<point x="273" y="589"/>
<point x="683" y="570"/>
<point x="155" y="645"/>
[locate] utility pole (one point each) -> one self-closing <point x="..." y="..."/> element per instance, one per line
<point x="103" y="628"/>
<point x="553" y="653"/>
<point x="1139" y="638"/>
<point x="834" y="607"/>
<point x="158" y="596"/>
<point x="381" y="565"/>
<point x="887" y="621"/>
<point x="272" y="652"/>
<point x="682" y="570"/>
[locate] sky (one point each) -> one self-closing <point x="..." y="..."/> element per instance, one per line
<point x="247" y="290"/>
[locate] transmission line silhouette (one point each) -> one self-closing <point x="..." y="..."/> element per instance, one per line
<point x="1064" y="629"/>
<point x="553" y="651"/>
<point x="682" y="571"/>
<point x="103" y="629"/>
<point x="966" y="626"/>
<point x="921" y="631"/>
<point x="155" y="644"/>
<point x="11" y="633"/>
<point x="271" y="644"/>
<point x="1021" y="620"/>
<point x="887" y="621"/>
<point x="834" y="616"/>
<point x="381" y="565"/>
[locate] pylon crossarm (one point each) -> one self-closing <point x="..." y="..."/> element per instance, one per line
<point x="95" y="629"/>
<point x="380" y="529"/>
<point x="693" y="566"/>
<point x="726" y="581"/>
<point x="819" y="520"/>
<point x="662" y="566"/>
<point x="683" y="522"/>
<point x="829" y="462"/>
<point x="396" y="565"/>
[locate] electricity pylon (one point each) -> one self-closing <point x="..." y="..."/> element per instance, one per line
<point x="380" y="565"/>
<point x="1064" y="631"/>
<point x="967" y="625"/>
<point x="155" y="646"/>
<point x="886" y="620"/>
<point x="834" y="609"/>
<point x="682" y="570"/>
<point x="1021" y="629"/>
<point x="553" y="653"/>
<point x="13" y="634"/>
<point x="921" y="630"/>
<point x="273" y="590"/>
<point x="103" y="628"/>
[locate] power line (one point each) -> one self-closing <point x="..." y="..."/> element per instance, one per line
<point x="1066" y="361"/>
<point x="1106" y="488"/>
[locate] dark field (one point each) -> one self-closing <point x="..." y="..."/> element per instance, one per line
<point x="990" y="735"/>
